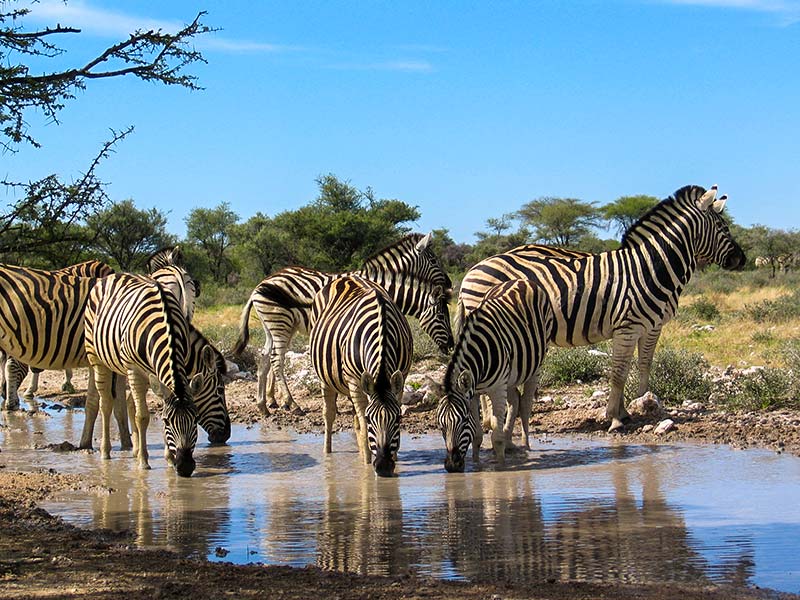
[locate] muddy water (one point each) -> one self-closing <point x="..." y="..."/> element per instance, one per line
<point x="568" y="509"/>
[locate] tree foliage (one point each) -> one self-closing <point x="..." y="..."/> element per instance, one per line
<point x="209" y="232"/>
<point x="45" y="214"/>
<point x="560" y="221"/>
<point x="626" y="210"/>
<point x="125" y="236"/>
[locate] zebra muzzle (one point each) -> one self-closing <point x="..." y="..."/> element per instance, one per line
<point x="454" y="462"/>
<point x="384" y="464"/>
<point x="184" y="462"/>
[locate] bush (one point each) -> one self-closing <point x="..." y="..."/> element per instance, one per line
<point x="570" y="365"/>
<point x="779" y="310"/>
<point x="704" y="309"/>
<point x="763" y="389"/>
<point x="424" y="346"/>
<point x="675" y="376"/>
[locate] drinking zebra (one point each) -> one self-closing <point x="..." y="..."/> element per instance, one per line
<point x="361" y="348"/>
<point x="407" y="270"/>
<point x="501" y="348"/>
<point x="136" y="328"/>
<point x="626" y="294"/>
<point x="13" y="372"/>
<point x="41" y="325"/>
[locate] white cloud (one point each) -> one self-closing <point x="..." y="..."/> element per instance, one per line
<point x="788" y="11"/>
<point x="99" y="21"/>
<point x="418" y="66"/>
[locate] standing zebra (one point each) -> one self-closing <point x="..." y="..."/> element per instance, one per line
<point x="501" y="348"/>
<point x="14" y="372"/>
<point x="626" y="294"/>
<point x="407" y="270"/>
<point x="41" y="325"/>
<point x="136" y="328"/>
<point x="361" y="347"/>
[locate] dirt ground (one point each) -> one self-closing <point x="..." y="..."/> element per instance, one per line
<point x="43" y="557"/>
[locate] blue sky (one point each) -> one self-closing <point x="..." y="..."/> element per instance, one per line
<point x="464" y="109"/>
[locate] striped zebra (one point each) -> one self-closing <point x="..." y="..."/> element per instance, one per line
<point x="41" y="325"/>
<point x="136" y="328"/>
<point x="407" y="270"/>
<point x="361" y="347"/>
<point x="501" y="348"/>
<point x="12" y="375"/>
<point x="626" y="294"/>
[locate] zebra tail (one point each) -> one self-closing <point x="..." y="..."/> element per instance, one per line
<point x="244" y="328"/>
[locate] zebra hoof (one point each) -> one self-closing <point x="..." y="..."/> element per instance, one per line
<point x="616" y="425"/>
<point x="298" y="411"/>
<point x="68" y="388"/>
<point x="273" y="404"/>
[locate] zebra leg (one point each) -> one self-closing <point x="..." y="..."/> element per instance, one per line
<point x="646" y="350"/>
<point x="131" y="410"/>
<point x="90" y="411"/>
<point x="121" y="413"/>
<point x="329" y="402"/>
<point x="67" y="385"/>
<point x="498" y="397"/>
<point x="474" y="406"/>
<point x="486" y="411"/>
<point x="15" y="372"/>
<point x="525" y="403"/>
<point x="103" y="380"/>
<point x="139" y="384"/>
<point x="280" y="376"/>
<point x="512" y="394"/>
<point x="33" y="386"/>
<point x="622" y="352"/>
<point x="266" y="384"/>
<point x="362" y="435"/>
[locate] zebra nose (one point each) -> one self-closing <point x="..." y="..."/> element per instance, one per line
<point x="184" y="463"/>
<point x="220" y="435"/>
<point x="384" y="464"/>
<point x="454" y="462"/>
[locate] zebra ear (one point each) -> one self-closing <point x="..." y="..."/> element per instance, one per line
<point x="437" y="292"/>
<point x="367" y="383"/>
<point x="196" y="384"/>
<point x="423" y="243"/>
<point x="720" y="204"/>
<point x="396" y="383"/>
<point x="465" y="383"/>
<point x="705" y="201"/>
<point x="208" y="358"/>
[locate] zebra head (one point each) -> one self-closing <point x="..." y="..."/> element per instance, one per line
<point x="180" y="428"/>
<point x="383" y="419"/>
<point x="456" y="419"/>
<point x="212" y="409"/>
<point x="435" y="318"/>
<point x="714" y="242"/>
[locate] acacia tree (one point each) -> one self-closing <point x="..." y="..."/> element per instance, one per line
<point x="626" y="210"/>
<point x="209" y="232"/>
<point x="560" y="221"/>
<point x="126" y="235"/>
<point x="45" y="211"/>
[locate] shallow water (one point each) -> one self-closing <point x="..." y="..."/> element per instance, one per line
<point x="567" y="510"/>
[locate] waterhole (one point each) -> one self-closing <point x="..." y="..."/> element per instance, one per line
<point x="568" y="509"/>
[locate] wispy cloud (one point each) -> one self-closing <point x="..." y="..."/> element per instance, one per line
<point x="418" y="66"/>
<point x="100" y="21"/>
<point x="787" y="11"/>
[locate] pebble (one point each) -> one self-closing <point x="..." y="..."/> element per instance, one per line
<point x="664" y="426"/>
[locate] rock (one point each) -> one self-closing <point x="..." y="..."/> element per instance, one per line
<point x="695" y="406"/>
<point x="232" y="368"/>
<point x="647" y="405"/>
<point x="598" y="394"/>
<point x="412" y="396"/>
<point x="647" y="428"/>
<point x="752" y="370"/>
<point x="221" y="552"/>
<point x="697" y="327"/>
<point x="595" y="352"/>
<point x="292" y="356"/>
<point x="546" y="399"/>
<point x="664" y="426"/>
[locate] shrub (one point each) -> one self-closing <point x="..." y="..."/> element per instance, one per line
<point x="570" y="365"/>
<point x="424" y="346"/>
<point x="704" y="309"/>
<point x="675" y="376"/>
<point x="779" y="310"/>
<point x="763" y="389"/>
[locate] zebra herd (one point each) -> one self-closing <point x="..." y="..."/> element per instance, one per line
<point x="510" y="307"/>
<point x="781" y="262"/>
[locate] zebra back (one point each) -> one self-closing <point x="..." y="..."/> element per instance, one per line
<point x="41" y="316"/>
<point x="164" y="257"/>
<point x="87" y="268"/>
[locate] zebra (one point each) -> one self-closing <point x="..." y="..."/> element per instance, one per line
<point x="501" y="348"/>
<point x="408" y="270"/>
<point x="361" y="347"/>
<point x="134" y="327"/>
<point x="41" y="325"/>
<point x="12" y="376"/>
<point x="626" y="294"/>
<point x="172" y="256"/>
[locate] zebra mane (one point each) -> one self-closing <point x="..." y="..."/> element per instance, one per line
<point x="681" y="196"/>
<point x="171" y="311"/>
<point x="404" y="247"/>
<point x="163" y="257"/>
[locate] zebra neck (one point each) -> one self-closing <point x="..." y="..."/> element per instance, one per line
<point x="403" y="289"/>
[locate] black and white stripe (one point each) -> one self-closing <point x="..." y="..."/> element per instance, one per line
<point x="501" y="348"/>
<point x="135" y="328"/>
<point x="626" y="294"/>
<point x="408" y="271"/>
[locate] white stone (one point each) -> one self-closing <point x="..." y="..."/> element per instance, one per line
<point x="546" y="399"/>
<point x="598" y="394"/>
<point x="664" y="426"/>
<point x="231" y="367"/>
<point x="647" y="404"/>
<point x="595" y="352"/>
<point x="648" y="427"/>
